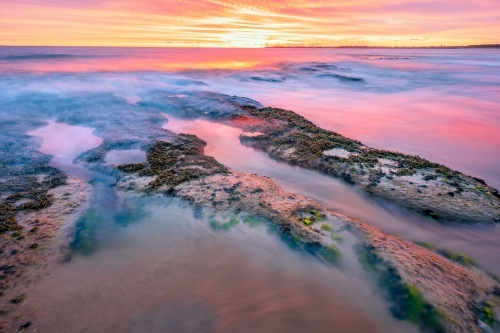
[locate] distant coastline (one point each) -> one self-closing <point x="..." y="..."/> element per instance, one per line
<point x="479" y="46"/>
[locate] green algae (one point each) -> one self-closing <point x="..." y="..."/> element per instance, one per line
<point x="314" y="217"/>
<point x="84" y="241"/>
<point x="486" y="312"/>
<point x="427" y="245"/>
<point x="326" y="227"/>
<point x="224" y="226"/>
<point x="20" y="183"/>
<point x="336" y="237"/>
<point x="307" y="221"/>
<point x="292" y="138"/>
<point x="331" y="254"/>
<point x="407" y="300"/>
<point x="252" y="221"/>
<point x="458" y="257"/>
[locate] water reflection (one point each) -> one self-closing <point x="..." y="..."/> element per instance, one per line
<point x="153" y="264"/>
<point x="125" y="156"/>
<point x="440" y="104"/>
<point x="480" y="242"/>
<point x="171" y="272"/>
<point x="65" y="142"/>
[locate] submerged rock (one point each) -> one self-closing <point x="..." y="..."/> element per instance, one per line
<point x="342" y="78"/>
<point x="407" y="180"/>
<point x="423" y="287"/>
<point x="429" y="188"/>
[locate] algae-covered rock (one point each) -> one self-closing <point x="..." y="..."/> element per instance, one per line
<point x="410" y="181"/>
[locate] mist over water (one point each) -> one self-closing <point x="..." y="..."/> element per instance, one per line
<point x="168" y="271"/>
<point x="439" y="104"/>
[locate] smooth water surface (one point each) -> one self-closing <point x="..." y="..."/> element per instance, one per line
<point x="440" y="104"/>
<point x="170" y="272"/>
<point x="480" y="243"/>
<point x="152" y="266"/>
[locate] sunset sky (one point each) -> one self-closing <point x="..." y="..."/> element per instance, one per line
<point x="249" y="23"/>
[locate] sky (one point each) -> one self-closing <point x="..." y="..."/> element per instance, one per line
<point x="249" y="23"/>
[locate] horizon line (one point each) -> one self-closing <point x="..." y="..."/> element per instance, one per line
<point x="494" y="45"/>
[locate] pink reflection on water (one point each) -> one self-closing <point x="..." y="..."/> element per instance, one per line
<point x="141" y="59"/>
<point x="65" y="142"/>
<point x="439" y="104"/>
<point x="461" y="132"/>
<point x="481" y="243"/>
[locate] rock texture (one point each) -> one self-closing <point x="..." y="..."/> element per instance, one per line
<point x="410" y="181"/>
<point x="41" y="236"/>
<point x="425" y="288"/>
<point x="428" y="188"/>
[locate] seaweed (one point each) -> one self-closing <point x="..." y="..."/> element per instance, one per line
<point x="457" y="257"/>
<point x="22" y="185"/>
<point x="175" y="162"/>
<point x="252" y="221"/>
<point x="407" y="301"/>
<point x="331" y="254"/>
<point x="427" y="245"/>
<point x="84" y="241"/>
<point x="326" y="227"/>
<point x="314" y="217"/>
<point x="290" y="137"/>
<point x="224" y="226"/>
<point x="8" y="218"/>
<point x="336" y="237"/>
<point x="131" y="168"/>
<point x="486" y="313"/>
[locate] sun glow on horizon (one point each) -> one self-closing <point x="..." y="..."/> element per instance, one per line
<point x="248" y="23"/>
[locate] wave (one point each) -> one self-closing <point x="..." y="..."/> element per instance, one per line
<point x="343" y="78"/>
<point x="42" y="56"/>
<point x="268" y="79"/>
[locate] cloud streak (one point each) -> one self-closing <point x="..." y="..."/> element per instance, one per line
<point x="248" y="23"/>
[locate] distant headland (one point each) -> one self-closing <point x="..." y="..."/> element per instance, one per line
<point x="479" y="46"/>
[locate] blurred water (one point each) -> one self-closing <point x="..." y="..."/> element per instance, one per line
<point x="167" y="271"/>
<point x="479" y="242"/>
<point x="441" y="104"/>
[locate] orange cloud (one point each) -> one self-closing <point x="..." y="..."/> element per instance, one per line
<point x="248" y="22"/>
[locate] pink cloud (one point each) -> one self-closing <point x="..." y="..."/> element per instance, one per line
<point x="51" y="21"/>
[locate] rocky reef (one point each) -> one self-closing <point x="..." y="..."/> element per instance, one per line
<point x="37" y="204"/>
<point x="438" y="291"/>
<point x="40" y="237"/>
<point x="410" y="181"/>
<point x="434" y="292"/>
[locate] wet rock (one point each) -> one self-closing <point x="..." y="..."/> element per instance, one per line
<point x="289" y="137"/>
<point x="18" y="299"/>
<point x="342" y="78"/>
<point x="24" y="326"/>
<point x="427" y="289"/>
